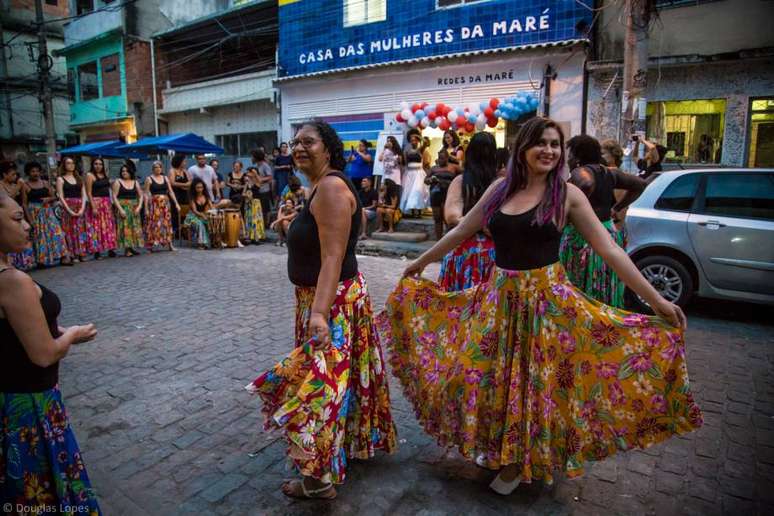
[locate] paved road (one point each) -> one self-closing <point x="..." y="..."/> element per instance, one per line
<point x="166" y="428"/>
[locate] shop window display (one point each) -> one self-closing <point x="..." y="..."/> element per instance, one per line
<point x="691" y="130"/>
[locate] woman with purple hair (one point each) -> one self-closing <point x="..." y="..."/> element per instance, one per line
<point x="525" y="374"/>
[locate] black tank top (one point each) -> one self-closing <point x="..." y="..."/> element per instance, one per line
<point x="413" y="156"/>
<point x="158" y="189"/>
<point x="304" y="244"/>
<point x="126" y="193"/>
<point x="200" y="207"/>
<point x="17" y="372"/>
<point x="100" y="188"/>
<point x="181" y="192"/>
<point x="521" y="244"/>
<point x="71" y="191"/>
<point x="37" y="194"/>
<point x="602" y="197"/>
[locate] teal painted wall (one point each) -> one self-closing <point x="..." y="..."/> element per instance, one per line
<point x="102" y="109"/>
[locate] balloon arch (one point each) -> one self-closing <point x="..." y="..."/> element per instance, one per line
<point x="470" y="118"/>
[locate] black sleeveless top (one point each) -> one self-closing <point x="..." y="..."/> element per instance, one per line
<point x="71" y="191"/>
<point x="126" y="193"/>
<point x="158" y="189"/>
<point x="304" y="243"/>
<point x="181" y="193"/>
<point x="521" y="244"/>
<point x="200" y="207"/>
<point x="101" y="187"/>
<point x="602" y="196"/>
<point x="17" y="372"/>
<point x="37" y="194"/>
<point x="413" y="155"/>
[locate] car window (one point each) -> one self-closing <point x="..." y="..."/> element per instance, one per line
<point x="679" y="195"/>
<point x="740" y="195"/>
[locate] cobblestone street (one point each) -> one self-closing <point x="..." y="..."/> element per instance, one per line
<point x="158" y="405"/>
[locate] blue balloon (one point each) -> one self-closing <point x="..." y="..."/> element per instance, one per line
<point x="533" y="103"/>
<point x="498" y="113"/>
<point x="483" y="106"/>
<point x="461" y="111"/>
<point x="419" y="114"/>
<point x="472" y="118"/>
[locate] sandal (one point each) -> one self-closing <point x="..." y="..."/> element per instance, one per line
<point x="502" y="487"/>
<point x="326" y="492"/>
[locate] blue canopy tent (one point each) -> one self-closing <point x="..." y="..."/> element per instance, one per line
<point x="185" y="143"/>
<point x="100" y="149"/>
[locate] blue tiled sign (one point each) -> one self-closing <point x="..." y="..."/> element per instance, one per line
<point x="314" y="38"/>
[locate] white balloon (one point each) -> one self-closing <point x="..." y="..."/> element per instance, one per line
<point x="404" y="105"/>
<point x="480" y="125"/>
<point x="406" y="114"/>
<point x="413" y="122"/>
<point x="481" y="118"/>
<point x="452" y="116"/>
<point x="475" y="109"/>
<point x="425" y="121"/>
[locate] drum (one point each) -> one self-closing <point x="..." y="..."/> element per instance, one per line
<point x="216" y="227"/>
<point x="233" y="225"/>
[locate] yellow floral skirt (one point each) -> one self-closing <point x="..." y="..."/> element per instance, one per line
<point x="525" y="369"/>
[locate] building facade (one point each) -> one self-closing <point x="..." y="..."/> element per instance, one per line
<point x="375" y="54"/>
<point x="216" y="74"/>
<point x="710" y="82"/>
<point x="22" y="127"/>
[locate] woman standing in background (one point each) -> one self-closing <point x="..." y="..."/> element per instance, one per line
<point x="48" y="239"/>
<point x="129" y="198"/>
<point x="13" y="187"/>
<point x="79" y="235"/>
<point x="101" y="202"/>
<point x="158" y="225"/>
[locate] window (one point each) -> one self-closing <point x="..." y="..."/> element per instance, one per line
<point x="52" y="2"/>
<point x="87" y="80"/>
<point x="84" y="6"/>
<point x="761" y="131"/>
<point x="359" y="12"/>
<point x="691" y="130"/>
<point x="243" y="143"/>
<point x="740" y="195"/>
<point x="454" y="3"/>
<point x="111" y="78"/>
<point x="679" y="195"/>
<point x="70" y="85"/>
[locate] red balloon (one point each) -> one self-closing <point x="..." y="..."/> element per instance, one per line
<point x="492" y="122"/>
<point x="447" y="110"/>
<point x="431" y="115"/>
<point x="440" y="108"/>
<point x="399" y="118"/>
<point x="489" y="112"/>
<point x="415" y="108"/>
<point x="444" y="124"/>
<point x="494" y="102"/>
<point x="470" y="127"/>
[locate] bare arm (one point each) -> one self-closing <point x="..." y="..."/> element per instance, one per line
<point x="471" y="223"/>
<point x="366" y="156"/>
<point x="25" y="201"/>
<point x="334" y="220"/>
<point x="20" y="301"/>
<point x="453" y="208"/>
<point x="119" y="208"/>
<point x="84" y="201"/>
<point x="585" y="221"/>
<point x="172" y="195"/>
<point x="140" y="197"/>
<point x="633" y="185"/>
<point x="90" y="178"/>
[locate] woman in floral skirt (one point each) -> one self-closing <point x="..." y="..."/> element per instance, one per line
<point x="585" y="268"/>
<point x="254" y="223"/>
<point x="471" y="262"/>
<point x="330" y="394"/>
<point x="79" y="234"/>
<point x="13" y="186"/>
<point x="158" y="220"/>
<point x="129" y="198"/>
<point x="101" y="201"/>
<point x="40" y="463"/>
<point x="48" y="239"/>
<point x="525" y="374"/>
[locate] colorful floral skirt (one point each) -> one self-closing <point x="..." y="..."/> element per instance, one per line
<point x="468" y="265"/>
<point x="129" y="229"/>
<point x="158" y="223"/>
<point x="47" y="234"/>
<point x="254" y="229"/>
<point x="40" y="463"/>
<point x="587" y="270"/>
<point x="525" y="369"/>
<point x="103" y="221"/>
<point x="333" y="402"/>
<point x="79" y="234"/>
<point x="24" y="260"/>
<point x="198" y="229"/>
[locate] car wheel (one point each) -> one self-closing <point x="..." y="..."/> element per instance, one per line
<point x="668" y="276"/>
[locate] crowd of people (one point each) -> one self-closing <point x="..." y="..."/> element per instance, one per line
<point x="519" y="356"/>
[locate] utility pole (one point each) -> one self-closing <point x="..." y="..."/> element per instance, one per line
<point x="635" y="71"/>
<point x="44" y="66"/>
